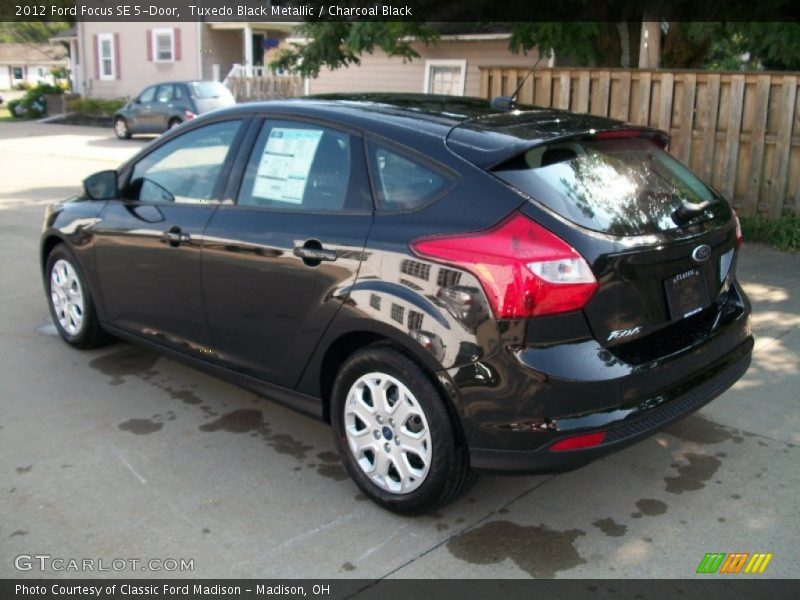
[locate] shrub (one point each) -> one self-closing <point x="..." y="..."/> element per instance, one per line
<point x="23" y="86"/>
<point x="15" y="108"/>
<point x="95" y="107"/>
<point x="32" y="105"/>
<point x="783" y="232"/>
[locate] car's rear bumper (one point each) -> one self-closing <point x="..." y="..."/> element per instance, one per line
<point x="516" y="404"/>
<point x="627" y="429"/>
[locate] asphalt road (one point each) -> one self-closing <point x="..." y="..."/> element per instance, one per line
<point x="120" y="453"/>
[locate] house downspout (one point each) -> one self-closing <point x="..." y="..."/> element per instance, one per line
<point x="200" y="50"/>
<point x="84" y="70"/>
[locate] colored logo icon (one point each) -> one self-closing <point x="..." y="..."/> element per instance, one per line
<point x="735" y="562"/>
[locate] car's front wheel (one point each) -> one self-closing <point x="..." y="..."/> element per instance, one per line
<point x="174" y="122"/>
<point x="121" y="128"/>
<point x="71" y="304"/>
<point x="394" y="433"/>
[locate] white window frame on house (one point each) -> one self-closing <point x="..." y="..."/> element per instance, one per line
<point x="164" y="31"/>
<point x="430" y="64"/>
<point x="101" y="37"/>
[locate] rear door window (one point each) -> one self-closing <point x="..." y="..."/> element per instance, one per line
<point x="622" y="187"/>
<point x="298" y="166"/>
<point x="165" y="93"/>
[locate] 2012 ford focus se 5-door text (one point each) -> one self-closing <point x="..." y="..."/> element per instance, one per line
<point x="453" y="288"/>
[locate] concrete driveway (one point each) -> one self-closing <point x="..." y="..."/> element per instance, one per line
<point x="120" y="453"/>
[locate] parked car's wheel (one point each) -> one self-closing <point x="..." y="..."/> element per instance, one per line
<point x="71" y="304"/>
<point x="121" y="128"/>
<point x="394" y="433"/>
<point x="174" y="122"/>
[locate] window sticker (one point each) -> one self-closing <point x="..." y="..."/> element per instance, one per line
<point x="285" y="164"/>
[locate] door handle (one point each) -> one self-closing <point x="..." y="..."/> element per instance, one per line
<point x="175" y="237"/>
<point x="313" y="253"/>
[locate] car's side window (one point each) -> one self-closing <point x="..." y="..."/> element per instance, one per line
<point x="164" y="94"/>
<point x="298" y="166"/>
<point x="147" y="95"/>
<point x="403" y="182"/>
<point x="185" y="169"/>
<point x="178" y="91"/>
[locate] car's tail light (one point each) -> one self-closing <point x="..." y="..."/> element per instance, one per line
<point x="525" y="270"/>
<point x="617" y="134"/>
<point x="739" y="236"/>
<point x="189" y="114"/>
<point x="659" y="138"/>
<point x="579" y="442"/>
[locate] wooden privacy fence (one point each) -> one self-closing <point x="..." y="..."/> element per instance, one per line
<point x="740" y="131"/>
<point x="264" y="87"/>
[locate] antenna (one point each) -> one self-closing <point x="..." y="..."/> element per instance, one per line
<point x="508" y="103"/>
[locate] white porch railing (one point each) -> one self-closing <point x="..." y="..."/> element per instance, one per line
<point x="248" y="83"/>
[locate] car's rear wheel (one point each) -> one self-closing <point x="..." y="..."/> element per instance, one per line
<point x="71" y="304"/>
<point x="121" y="128"/>
<point x="394" y="432"/>
<point x="174" y="122"/>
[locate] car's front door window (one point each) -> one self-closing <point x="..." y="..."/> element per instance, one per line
<point x="186" y="169"/>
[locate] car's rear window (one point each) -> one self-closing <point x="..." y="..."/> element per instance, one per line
<point x="205" y="90"/>
<point x="622" y="186"/>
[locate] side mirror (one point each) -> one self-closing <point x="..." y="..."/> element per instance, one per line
<point x="101" y="186"/>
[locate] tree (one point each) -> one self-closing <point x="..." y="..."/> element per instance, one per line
<point x="599" y="43"/>
<point x="30" y="32"/>
<point x="337" y="44"/>
<point x="774" y="45"/>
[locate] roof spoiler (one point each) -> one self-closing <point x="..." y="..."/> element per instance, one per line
<point x="657" y="136"/>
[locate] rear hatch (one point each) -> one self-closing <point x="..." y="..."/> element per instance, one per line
<point x="210" y="95"/>
<point x="660" y="241"/>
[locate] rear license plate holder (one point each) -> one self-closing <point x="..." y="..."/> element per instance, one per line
<point x="687" y="293"/>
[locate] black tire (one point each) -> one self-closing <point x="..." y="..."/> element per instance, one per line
<point x="174" y="122"/>
<point x="90" y="334"/>
<point x="448" y="476"/>
<point x="121" y="129"/>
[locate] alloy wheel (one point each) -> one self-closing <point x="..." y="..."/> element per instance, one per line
<point x="66" y="294"/>
<point x="121" y="128"/>
<point x="387" y="433"/>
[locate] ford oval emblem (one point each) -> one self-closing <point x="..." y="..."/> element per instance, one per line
<point x="701" y="253"/>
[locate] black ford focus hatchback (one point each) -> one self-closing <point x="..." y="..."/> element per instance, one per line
<point x="451" y="287"/>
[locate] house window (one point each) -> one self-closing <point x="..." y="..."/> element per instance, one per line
<point x="375" y="301"/>
<point x="446" y="77"/>
<point x="447" y="277"/>
<point x="164" y="45"/>
<point x="17" y="73"/>
<point x="398" y="312"/>
<point x="416" y="269"/>
<point x="105" y="53"/>
<point x="415" y="320"/>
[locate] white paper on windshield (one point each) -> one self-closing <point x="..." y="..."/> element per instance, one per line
<point x="285" y="164"/>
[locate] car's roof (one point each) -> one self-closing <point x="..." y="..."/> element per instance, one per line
<point x="182" y="81"/>
<point x="470" y="126"/>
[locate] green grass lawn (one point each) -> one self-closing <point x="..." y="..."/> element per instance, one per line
<point x="4" y="114"/>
